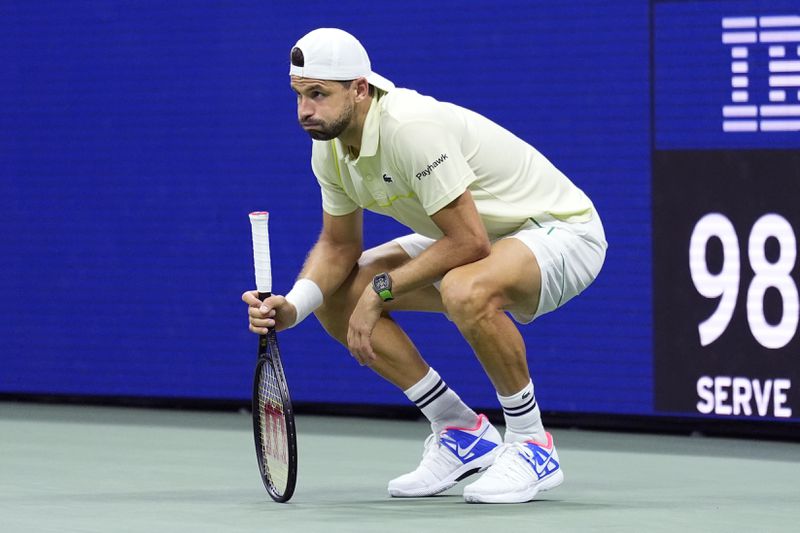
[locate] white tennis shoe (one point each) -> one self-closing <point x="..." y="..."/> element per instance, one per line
<point x="449" y="457"/>
<point x="519" y="472"/>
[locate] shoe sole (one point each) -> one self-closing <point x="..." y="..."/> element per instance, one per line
<point x="526" y="495"/>
<point x="449" y="482"/>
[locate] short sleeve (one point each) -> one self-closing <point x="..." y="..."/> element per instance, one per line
<point x="335" y="200"/>
<point x="430" y="159"/>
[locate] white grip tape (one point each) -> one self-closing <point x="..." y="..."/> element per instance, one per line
<point x="260" y="223"/>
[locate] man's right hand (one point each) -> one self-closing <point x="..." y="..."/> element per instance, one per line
<point x="275" y="312"/>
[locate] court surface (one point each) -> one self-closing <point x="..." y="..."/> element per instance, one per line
<point x="94" y="469"/>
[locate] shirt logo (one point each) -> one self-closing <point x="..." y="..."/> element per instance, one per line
<point x="427" y="171"/>
<point x="387" y="178"/>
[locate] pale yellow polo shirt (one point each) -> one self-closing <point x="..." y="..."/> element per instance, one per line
<point x="419" y="154"/>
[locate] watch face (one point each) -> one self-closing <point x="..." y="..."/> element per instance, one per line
<point x="381" y="283"/>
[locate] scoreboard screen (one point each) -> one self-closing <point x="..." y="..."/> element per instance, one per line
<point x="726" y="184"/>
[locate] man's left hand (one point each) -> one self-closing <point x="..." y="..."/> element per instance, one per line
<point x="362" y="321"/>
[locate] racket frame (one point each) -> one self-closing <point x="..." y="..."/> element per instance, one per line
<point x="269" y="354"/>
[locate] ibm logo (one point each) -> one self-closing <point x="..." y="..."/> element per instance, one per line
<point x="748" y="110"/>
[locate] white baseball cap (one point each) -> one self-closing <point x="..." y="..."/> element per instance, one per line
<point x="334" y="54"/>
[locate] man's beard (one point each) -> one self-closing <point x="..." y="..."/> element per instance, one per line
<point x="327" y="131"/>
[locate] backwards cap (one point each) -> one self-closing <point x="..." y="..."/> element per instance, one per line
<point x="333" y="54"/>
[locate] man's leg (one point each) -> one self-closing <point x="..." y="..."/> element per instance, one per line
<point x="455" y="426"/>
<point x="552" y="263"/>
<point x="476" y="297"/>
<point x="398" y="360"/>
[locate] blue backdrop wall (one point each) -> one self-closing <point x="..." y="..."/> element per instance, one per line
<point x="136" y="136"/>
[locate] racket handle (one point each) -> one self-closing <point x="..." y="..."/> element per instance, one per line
<point x="259" y="221"/>
<point x="263" y="296"/>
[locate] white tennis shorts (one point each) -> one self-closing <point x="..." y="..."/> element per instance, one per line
<point x="569" y="255"/>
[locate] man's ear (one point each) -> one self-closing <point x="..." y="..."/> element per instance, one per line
<point x="361" y="86"/>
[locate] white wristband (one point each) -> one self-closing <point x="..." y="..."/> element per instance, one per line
<point x="305" y="296"/>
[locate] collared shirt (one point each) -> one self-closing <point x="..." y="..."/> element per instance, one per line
<point x="418" y="155"/>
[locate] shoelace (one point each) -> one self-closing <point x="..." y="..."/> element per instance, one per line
<point x="430" y="442"/>
<point x="431" y="456"/>
<point x="510" y="463"/>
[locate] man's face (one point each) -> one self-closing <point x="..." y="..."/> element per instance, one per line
<point x="324" y="108"/>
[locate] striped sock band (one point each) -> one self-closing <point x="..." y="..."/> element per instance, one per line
<point x="522" y="415"/>
<point x="439" y="403"/>
<point x="431" y="394"/>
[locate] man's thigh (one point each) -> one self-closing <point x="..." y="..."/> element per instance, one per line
<point x="534" y="271"/>
<point x="509" y="275"/>
<point x="510" y="272"/>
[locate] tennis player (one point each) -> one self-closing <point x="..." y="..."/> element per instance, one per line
<point x="496" y="230"/>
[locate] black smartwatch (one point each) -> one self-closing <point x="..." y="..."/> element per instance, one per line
<point x="382" y="284"/>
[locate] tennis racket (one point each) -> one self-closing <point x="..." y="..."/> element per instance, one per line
<point x="273" y="417"/>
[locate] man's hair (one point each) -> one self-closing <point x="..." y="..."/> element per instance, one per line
<point x="297" y="57"/>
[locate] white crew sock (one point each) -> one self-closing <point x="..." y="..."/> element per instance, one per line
<point x="523" y="417"/>
<point x="440" y="404"/>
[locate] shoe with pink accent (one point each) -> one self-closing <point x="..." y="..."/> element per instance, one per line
<point x="449" y="457"/>
<point x="519" y="472"/>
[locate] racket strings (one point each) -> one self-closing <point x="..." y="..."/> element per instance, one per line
<point x="274" y="439"/>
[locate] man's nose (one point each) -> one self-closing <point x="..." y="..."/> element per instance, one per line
<point x="305" y="108"/>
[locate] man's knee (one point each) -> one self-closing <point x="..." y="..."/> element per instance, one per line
<point x="468" y="297"/>
<point x="385" y="257"/>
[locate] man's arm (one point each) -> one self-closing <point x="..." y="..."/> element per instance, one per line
<point x="328" y="264"/>
<point x="464" y="241"/>
<point x="429" y="158"/>
<point x="336" y="252"/>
